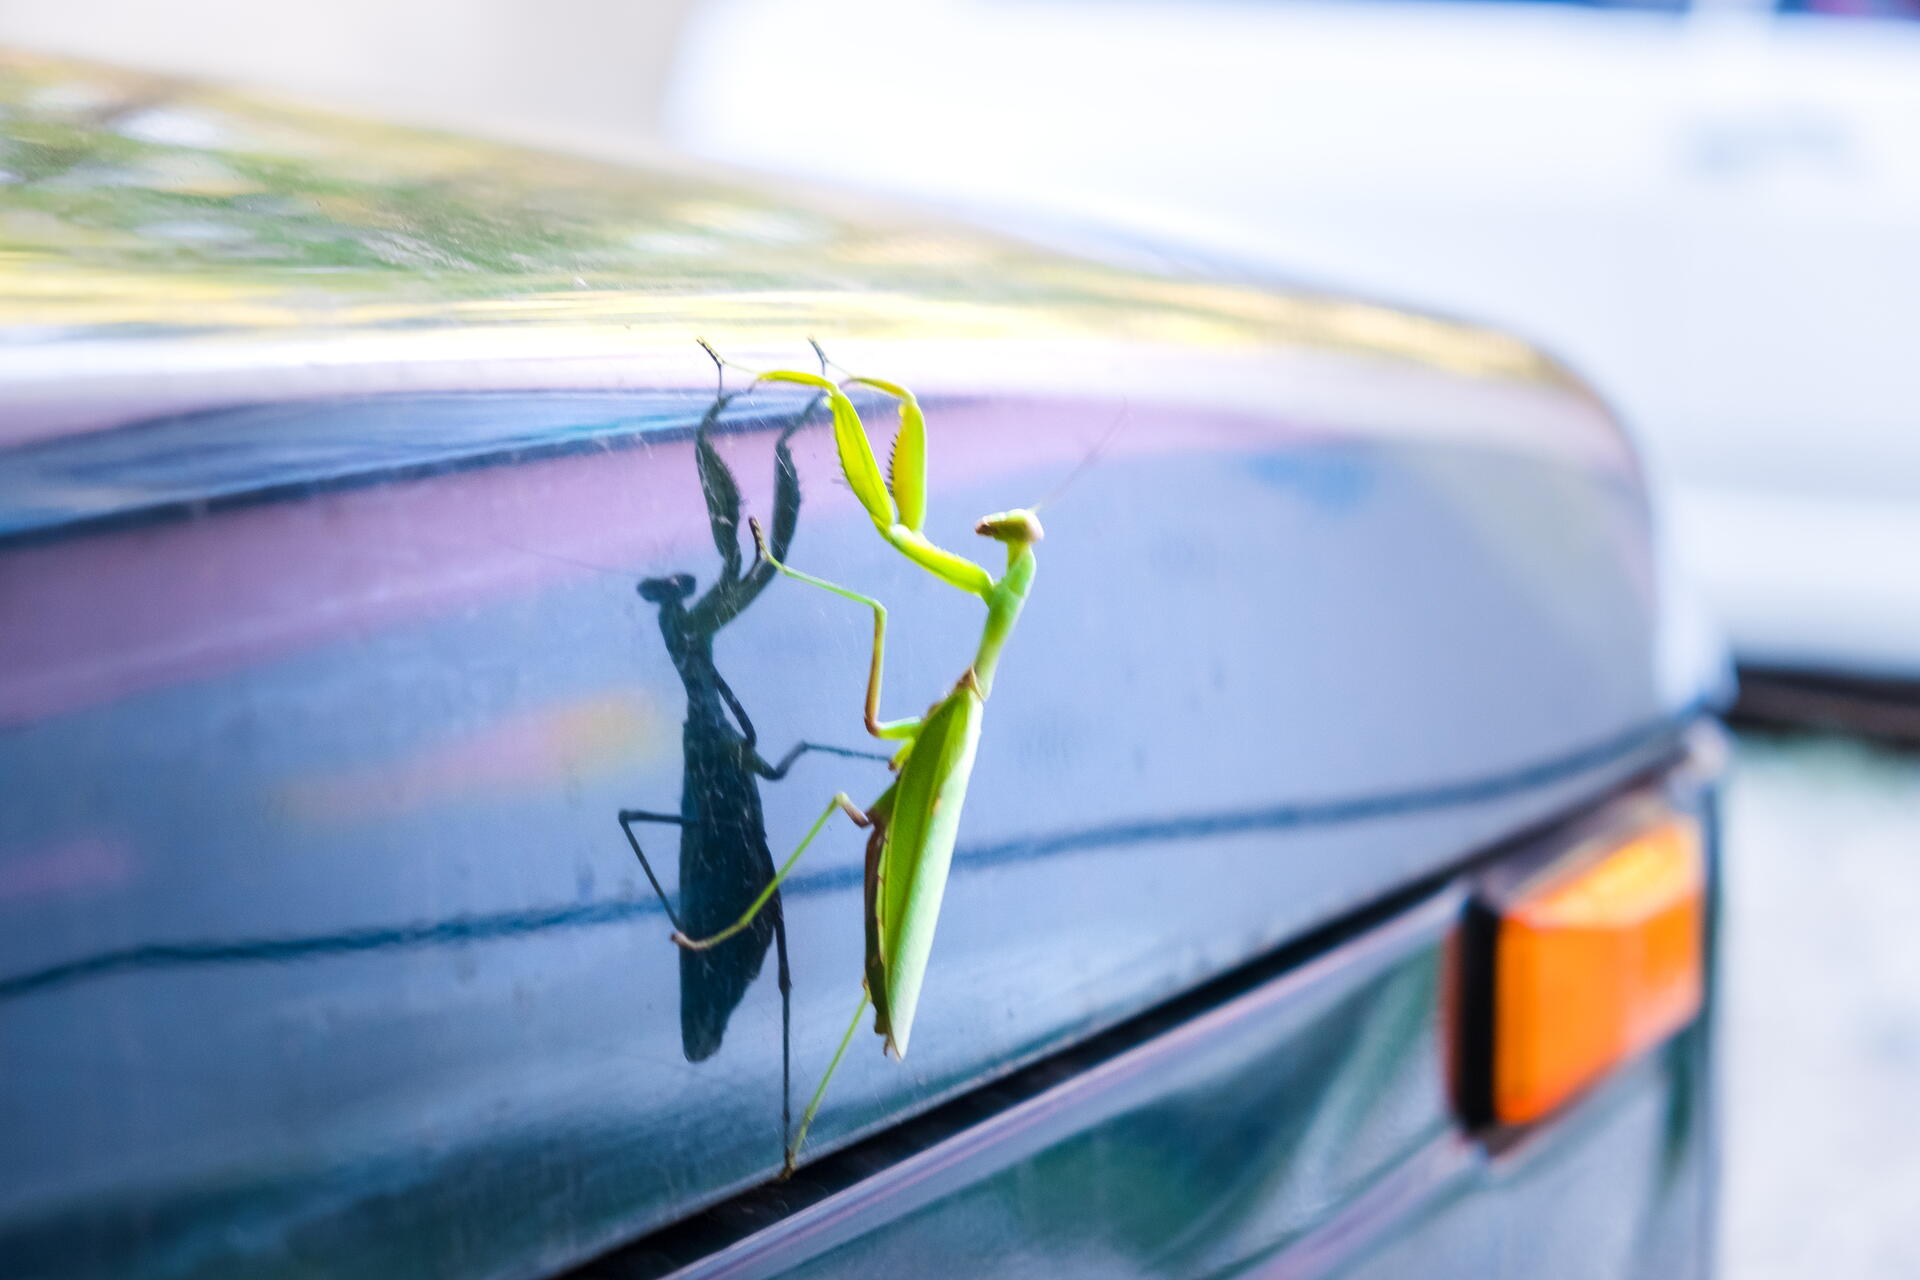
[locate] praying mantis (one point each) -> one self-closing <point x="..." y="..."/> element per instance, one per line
<point x="914" y="823"/>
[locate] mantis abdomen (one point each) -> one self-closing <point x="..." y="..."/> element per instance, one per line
<point x="916" y="824"/>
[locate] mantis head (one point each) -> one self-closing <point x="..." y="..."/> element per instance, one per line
<point x="659" y="590"/>
<point x="1016" y="527"/>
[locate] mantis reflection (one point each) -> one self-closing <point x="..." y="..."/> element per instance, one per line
<point x="724" y="859"/>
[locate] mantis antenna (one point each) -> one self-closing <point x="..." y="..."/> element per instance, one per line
<point x="1087" y="459"/>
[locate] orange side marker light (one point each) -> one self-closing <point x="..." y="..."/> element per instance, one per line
<point x="1594" y="964"/>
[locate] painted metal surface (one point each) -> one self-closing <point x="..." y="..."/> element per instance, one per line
<point x="1305" y="1123"/>
<point x="1227" y="1139"/>
<point x="1623" y="1186"/>
<point x="324" y="674"/>
<point x="171" y="247"/>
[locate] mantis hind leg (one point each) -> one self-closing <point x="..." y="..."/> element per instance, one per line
<point x="785" y="980"/>
<point x="820" y="1090"/>
<point x="840" y="802"/>
<point x="775" y="772"/>
<point x="627" y="818"/>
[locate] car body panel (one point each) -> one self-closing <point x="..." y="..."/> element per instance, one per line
<point x="1300" y="1122"/>
<point x="326" y="678"/>
<point x="1221" y="1141"/>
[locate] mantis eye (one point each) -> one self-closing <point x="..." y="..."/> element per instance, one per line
<point x="1011" y="526"/>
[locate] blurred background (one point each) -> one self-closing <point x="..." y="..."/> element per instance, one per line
<point x="1711" y="209"/>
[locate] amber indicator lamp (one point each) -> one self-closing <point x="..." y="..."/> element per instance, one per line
<point x="1596" y="957"/>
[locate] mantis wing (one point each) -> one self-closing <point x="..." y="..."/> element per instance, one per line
<point x="909" y="856"/>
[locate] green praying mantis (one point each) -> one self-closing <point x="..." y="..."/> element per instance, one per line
<point x="913" y="825"/>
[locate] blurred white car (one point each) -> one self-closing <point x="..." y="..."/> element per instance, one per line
<point x="1715" y="213"/>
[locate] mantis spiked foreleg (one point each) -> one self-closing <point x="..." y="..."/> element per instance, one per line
<point x="914" y="823"/>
